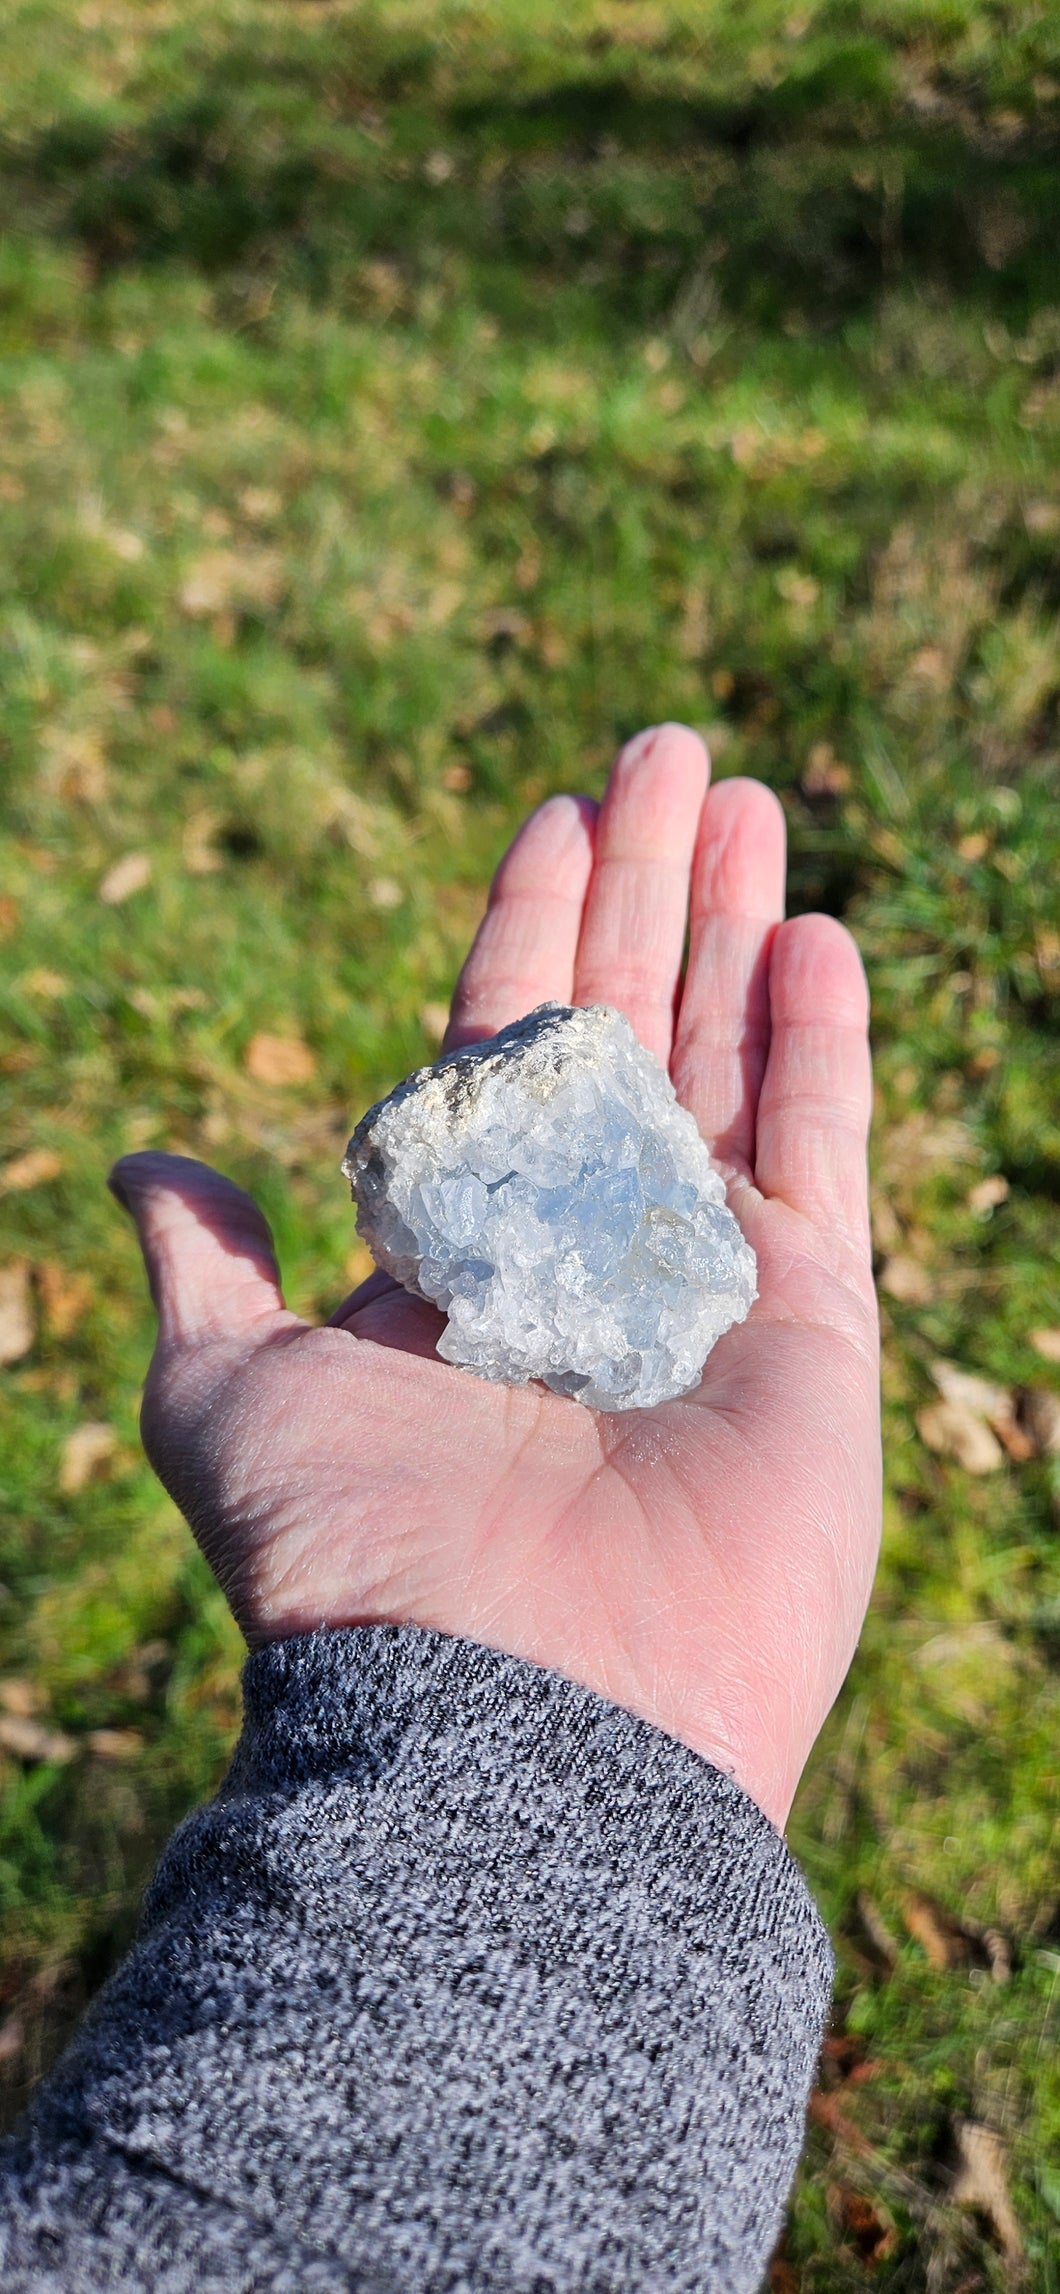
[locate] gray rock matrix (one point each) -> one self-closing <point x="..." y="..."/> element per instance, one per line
<point x="468" y="1982"/>
<point x="547" y="1190"/>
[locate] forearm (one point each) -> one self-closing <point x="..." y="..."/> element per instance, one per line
<point x="468" y="1979"/>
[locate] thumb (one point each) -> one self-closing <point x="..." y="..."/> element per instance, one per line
<point x="207" y="1249"/>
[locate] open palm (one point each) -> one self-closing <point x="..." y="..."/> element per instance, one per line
<point x="706" y="1563"/>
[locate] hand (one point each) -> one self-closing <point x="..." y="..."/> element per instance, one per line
<point x="706" y="1564"/>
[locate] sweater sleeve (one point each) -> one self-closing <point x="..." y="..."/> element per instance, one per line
<point x="468" y="1982"/>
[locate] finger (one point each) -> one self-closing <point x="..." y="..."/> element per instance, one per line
<point x="391" y="1316"/>
<point x="722" y="1034"/>
<point x="207" y="1249"/>
<point x="378" y="1284"/>
<point x="524" y="949"/>
<point x="816" y="1097"/>
<point x="633" y="933"/>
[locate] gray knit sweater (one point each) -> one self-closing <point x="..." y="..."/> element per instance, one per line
<point x="468" y="1982"/>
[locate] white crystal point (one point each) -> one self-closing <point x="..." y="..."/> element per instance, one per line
<point x="548" y="1191"/>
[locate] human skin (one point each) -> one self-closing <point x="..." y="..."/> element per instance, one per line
<point x="706" y="1563"/>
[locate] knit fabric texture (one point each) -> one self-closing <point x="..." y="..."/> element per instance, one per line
<point x="468" y="1982"/>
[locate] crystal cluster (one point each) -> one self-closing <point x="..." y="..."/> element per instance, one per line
<point x="547" y="1190"/>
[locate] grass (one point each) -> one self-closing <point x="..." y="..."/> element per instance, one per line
<point x="401" y="404"/>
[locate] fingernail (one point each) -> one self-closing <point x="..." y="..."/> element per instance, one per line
<point x="635" y="751"/>
<point x="126" y="1177"/>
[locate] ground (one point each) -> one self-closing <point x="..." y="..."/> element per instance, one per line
<point x="400" y="405"/>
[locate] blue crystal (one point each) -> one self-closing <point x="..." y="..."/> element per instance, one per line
<point x="549" y="1192"/>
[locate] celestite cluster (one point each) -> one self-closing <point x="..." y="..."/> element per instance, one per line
<point x="546" y="1189"/>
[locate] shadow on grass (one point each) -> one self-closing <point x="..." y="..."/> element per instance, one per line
<point x="807" y="194"/>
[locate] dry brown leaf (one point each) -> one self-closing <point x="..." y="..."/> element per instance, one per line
<point x="1046" y="1343"/>
<point x="115" y="1743"/>
<point x="17" y="1329"/>
<point x="1015" y="1438"/>
<point x="953" y="1431"/>
<point x="824" y="774"/>
<point x="124" y="542"/>
<point x="59" y="1385"/>
<point x="861" y="2224"/>
<point x="995" y="1404"/>
<point x="208" y="587"/>
<point x="877" y="1932"/>
<point x="923" y="1142"/>
<point x="130" y="874"/>
<point x="31" y="1741"/>
<point x="260" y="502"/>
<point x="76" y="765"/>
<point x="434" y="1019"/>
<point x="797" y="589"/>
<point x="552" y="645"/>
<point x="45" y="983"/>
<point x="949" y="1941"/>
<point x="942" y="1939"/>
<point x="1047" y="954"/>
<point x="844" y="2059"/>
<point x="826" y="2111"/>
<point x="987" y="1194"/>
<point x="906" y="1280"/>
<point x="981" y="2183"/>
<point x="998" y="1953"/>
<point x="930" y="665"/>
<point x="279" y="1060"/>
<point x="385" y="892"/>
<point x="33" y="1169"/>
<point x="65" y="1297"/>
<point x="358" y="820"/>
<point x="9" y="915"/>
<point x="971" y="1391"/>
<point x="221" y="579"/>
<point x="197" y="848"/>
<point x="1039" y="1418"/>
<point x="23" y="1698"/>
<point x="86" y="1454"/>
